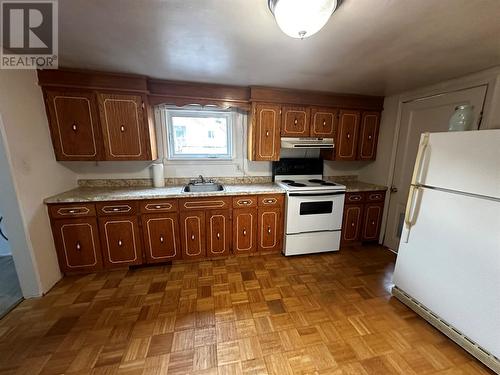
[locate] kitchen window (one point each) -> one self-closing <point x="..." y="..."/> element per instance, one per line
<point x="194" y="134"/>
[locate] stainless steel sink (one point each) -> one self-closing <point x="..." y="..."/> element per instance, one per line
<point x="203" y="187"/>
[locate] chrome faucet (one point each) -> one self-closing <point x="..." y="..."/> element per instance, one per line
<point x="202" y="179"/>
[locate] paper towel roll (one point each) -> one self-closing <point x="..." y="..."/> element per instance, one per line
<point x="158" y="177"/>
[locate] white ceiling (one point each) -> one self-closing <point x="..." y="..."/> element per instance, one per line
<point x="368" y="46"/>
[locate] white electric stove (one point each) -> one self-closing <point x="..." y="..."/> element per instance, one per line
<point x="314" y="207"/>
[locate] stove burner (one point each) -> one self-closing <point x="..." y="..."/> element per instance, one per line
<point x="328" y="183"/>
<point x="288" y="181"/>
<point x="316" y="181"/>
<point x="296" y="184"/>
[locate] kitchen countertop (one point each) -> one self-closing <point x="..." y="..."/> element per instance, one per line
<point x="100" y="194"/>
<point x="359" y="186"/>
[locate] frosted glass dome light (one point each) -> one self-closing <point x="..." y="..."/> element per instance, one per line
<point x="302" y="18"/>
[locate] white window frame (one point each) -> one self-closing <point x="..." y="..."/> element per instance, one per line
<point x="198" y="112"/>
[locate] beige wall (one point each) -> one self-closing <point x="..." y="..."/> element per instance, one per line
<point x="35" y="171"/>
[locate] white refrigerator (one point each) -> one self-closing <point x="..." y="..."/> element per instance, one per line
<point x="448" y="263"/>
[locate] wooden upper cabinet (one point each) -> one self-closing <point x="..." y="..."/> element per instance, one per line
<point x="347" y="137"/>
<point x="218" y="232"/>
<point x="161" y="237"/>
<point x="264" y="132"/>
<point x="193" y="234"/>
<point x="121" y="242"/>
<point x="295" y="121"/>
<point x="74" y="124"/>
<point x="77" y="245"/>
<point x="124" y="127"/>
<point x="324" y="122"/>
<point x="367" y="149"/>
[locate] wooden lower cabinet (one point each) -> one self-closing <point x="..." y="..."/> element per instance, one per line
<point x="77" y="242"/>
<point x="269" y="229"/>
<point x="192" y="225"/>
<point x="121" y="241"/>
<point x="92" y="236"/>
<point x="244" y="230"/>
<point x="362" y="217"/>
<point x="372" y="221"/>
<point x="218" y="224"/>
<point x="161" y="237"/>
<point x="351" y="224"/>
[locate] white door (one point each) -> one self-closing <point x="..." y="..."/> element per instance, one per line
<point x="430" y="114"/>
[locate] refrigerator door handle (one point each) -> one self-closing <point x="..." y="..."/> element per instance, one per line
<point x="417" y="172"/>
<point x="411" y="210"/>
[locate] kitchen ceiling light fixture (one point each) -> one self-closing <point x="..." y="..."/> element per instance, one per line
<point x="302" y="18"/>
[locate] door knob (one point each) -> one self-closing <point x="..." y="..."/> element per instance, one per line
<point x="393" y="189"/>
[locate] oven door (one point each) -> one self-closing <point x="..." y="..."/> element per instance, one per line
<point x="314" y="211"/>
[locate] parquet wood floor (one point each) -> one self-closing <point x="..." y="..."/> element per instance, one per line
<point x="318" y="314"/>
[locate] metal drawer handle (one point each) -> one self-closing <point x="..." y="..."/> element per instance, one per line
<point x="352" y="224"/>
<point x="369" y="137"/>
<point x="74" y="127"/>
<point x="161" y="239"/>
<point x="122" y="128"/>
<point x="120" y="243"/>
<point x="157" y="206"/>
<point x="244" y="202"/>
<point x="78" y="246"/>
<point x="218" y="236"/>
<point x="267" y="133"/>
<point x="324" y="122"/>
<point x="295" y="121"/>
<point x="72" y="211"/>
<point x="373" y="223"/>
<point x="269" y="230"/>
<point x="244" y="232"/>
<point x="270" y="201"/>
<point x="348" y="135"/>
<point x="355" y="198"/>
<point x="192" y="237"/>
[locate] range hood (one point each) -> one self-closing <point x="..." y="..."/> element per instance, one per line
<point x="307" y="143"/>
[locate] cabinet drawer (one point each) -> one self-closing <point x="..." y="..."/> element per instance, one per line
<point x="71" y="210"/>
<point x="354" y="198"/>
<point x="375" y="196"/>
<point x="245" y="201"/>
<point x="202" y="203"/>
<point x="271" y="200"/>
<point x="116" y="208"/>
<point x="169" y="205"/>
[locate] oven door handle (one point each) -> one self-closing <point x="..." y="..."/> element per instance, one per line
<point x="315" y="194"/>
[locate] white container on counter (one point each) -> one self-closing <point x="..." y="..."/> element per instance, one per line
<point x="158" y="177"/>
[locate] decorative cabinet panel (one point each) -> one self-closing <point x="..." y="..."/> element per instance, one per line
<point x="270" y="229"/>
<point x="218" y="232"/>
<point x="295" y="121"/>
<point x="351" y="226"/>
<point x="368" y="138"/>
<point x="124" y="127"/>
<point x="244" y="230"/>
<point x="347" y="137"/>
<point x="77" y="242"/>
<point x="192" y="225"/>
<point x="264" y="132"/>
<point x="121" y="241"/>
<point x="74" y="124"/>
<point x="161" y="237"/>
<point x="362" y="216"/>
<point x="372" y="221"/>
<point x="324" y="122"/>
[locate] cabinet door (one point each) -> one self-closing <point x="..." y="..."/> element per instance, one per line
<point x="295" y="121"/>
<point x="121" y="241"/>
<point x="244" y="230"/>
<point x="351" y="226"/>
<point x="372" y="221"/>
<point x="324" y="122"/>
<point x="367" y="149"/>
<point x="218" y="232"/>
<point x="77" y="245"/>
<point x="266" y="128"/>
<point x="192" y="225"/>
<point x="161" y="237"/>
<point x="124" y="127"/>
<point x="269" y="235"/>
<point x="347" y="137"/>
<point x="74" y="125"/>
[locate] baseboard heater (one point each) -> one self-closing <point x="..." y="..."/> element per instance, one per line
<point x="467" y="344"/>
